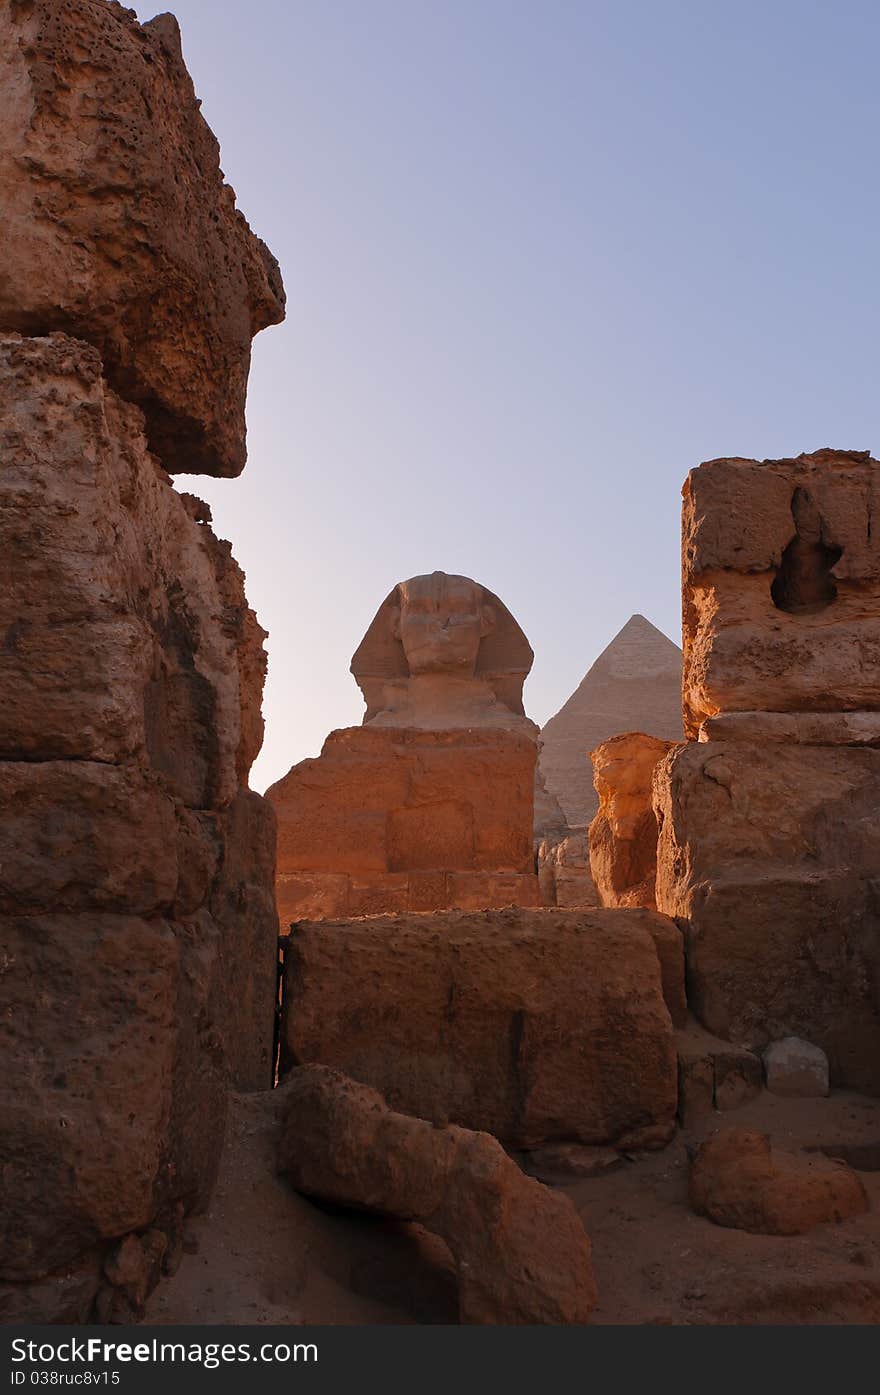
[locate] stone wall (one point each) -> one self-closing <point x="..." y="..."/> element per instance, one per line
<point x="137" y="920"/>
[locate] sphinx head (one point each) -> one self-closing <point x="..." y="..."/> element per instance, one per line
<point x="448" y="627"/>
<point x="441" y="621"/>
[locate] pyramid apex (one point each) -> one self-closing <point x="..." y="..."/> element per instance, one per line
<point x="634" y="685"/>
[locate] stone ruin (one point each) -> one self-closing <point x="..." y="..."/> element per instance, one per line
<point x="138" y="938"/>
<point x="430" y="804"/>
<point x="761" y="834"/>
<point x="438" y="1026"/>
<point x="770" y="816"/>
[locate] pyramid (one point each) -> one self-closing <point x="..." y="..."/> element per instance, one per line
<point x="634" y="685"/>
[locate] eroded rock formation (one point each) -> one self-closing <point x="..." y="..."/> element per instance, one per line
<point x="118" y="227"/>
<point x="137" y="920"/>
<point x="634" y="685"/>
<point x="520" y="1251"/>
<point x="430" y="804"/>
<point x="623" y="835"/>
<point x="530" y="1025"/>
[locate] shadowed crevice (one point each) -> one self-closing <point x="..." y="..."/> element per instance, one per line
<point x="804" y="583"/>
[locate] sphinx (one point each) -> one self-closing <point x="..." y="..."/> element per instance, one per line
<point x="429" y="804"/>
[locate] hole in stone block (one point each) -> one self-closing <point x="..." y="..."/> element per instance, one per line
<point x="803" y="583"/>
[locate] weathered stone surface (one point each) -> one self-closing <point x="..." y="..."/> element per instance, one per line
<point x="696" y="1088"/>
<point x="738" y="1180"/>
<point x="331" y="896"/>
<point x="768" y="855"/>
<point x="137" y="924"/>
<point x="781" y="586"/>
<point x="535" y="1026"/>
<point x="801" y="728"/>
<point x="82" y="835"/>
<point x="132" y="1269"/>
<point x="393" y="820"/>
<point x="623" y="835"/>
<point x="796" y="1067"/>
<point x="128" y="636"/>
<point x="713" y="1074"/>
<point x="634" y="685"/>
<point x="669" y="947"/>
<point x="242" y="906"/>
<point x="520" y="1250"/>
<point x="564" y="873"/>
<point x="118" y="227"/>
<point x="89" y="1031"/>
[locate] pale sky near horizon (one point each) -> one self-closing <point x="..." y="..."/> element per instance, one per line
<point x="541" y="259"/>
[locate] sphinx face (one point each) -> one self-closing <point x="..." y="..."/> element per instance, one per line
<point x="440" y="623"/>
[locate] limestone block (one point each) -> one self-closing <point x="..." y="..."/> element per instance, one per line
<point x="781" y="586"/>
<point x="535" y="1026"/>
<point x="800" y="728"/>
<point x="89" y="1013"/>
<point x="564" y="873"/>
<point x="768" y="856"/>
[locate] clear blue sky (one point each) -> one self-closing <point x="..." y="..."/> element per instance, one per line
<point x="541" y="258"/>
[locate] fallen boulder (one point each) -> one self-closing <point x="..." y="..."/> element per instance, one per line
<point x="738" y="1180"/>
<point x="520" y="1250"/>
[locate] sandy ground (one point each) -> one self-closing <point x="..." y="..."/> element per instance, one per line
<point x="264" y="1255"/>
